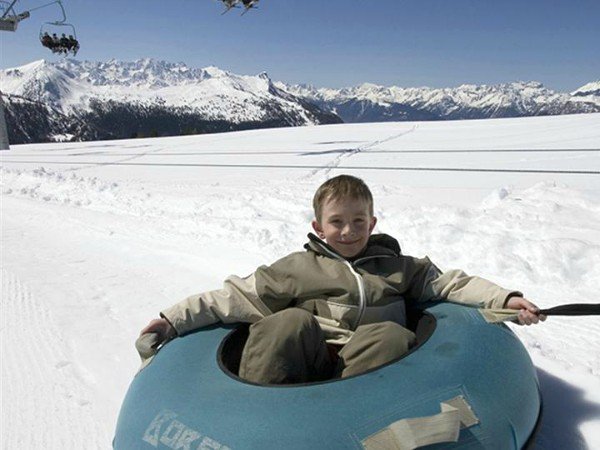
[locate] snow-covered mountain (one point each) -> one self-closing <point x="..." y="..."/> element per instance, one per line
<point x="83" y="100"/>
<point x="370" y="102"/>
<point x="146" y="97"/>
<point x="589" y="90"/>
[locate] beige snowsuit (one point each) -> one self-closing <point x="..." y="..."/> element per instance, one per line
<point x="341" y="294"/>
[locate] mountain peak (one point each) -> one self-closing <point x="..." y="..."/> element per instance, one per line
<point x="159" y="87"/>
<point x="30" y="67"/>
<point x="527" y="85"/>
<point x="215" y="72"/>
<point x="75" y="85"/>
<point x="369" y="102"/>
<point x="592" y="88"/>
<point x="369" y="86"/>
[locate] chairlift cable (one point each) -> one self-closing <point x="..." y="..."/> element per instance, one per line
<point x="43" y="6"/>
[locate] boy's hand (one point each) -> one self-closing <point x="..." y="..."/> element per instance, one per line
<point x="528" y="314"/>
<point x="162" y="328"/>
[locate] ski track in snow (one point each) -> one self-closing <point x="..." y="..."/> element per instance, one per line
<point x="35" y="347"/>
<point x="118" y="161"/>
<point x="337" y="161"/>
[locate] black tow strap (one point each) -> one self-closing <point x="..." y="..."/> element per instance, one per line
<point x="574" y="309"/>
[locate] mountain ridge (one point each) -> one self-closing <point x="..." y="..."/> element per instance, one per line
<point x="117" y="99"/>
<point x="146" y="97"/>
<point x="363" y="102"/>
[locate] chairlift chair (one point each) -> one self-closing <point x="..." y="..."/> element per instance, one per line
<point x="248" y="5"/>
<point x="58" y="29"/>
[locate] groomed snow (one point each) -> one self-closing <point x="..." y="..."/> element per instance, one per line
<point x="97" y="237"/>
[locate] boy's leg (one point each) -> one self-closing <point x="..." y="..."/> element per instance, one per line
<point x="373" y="345"/>
<point x="286" y="347"/>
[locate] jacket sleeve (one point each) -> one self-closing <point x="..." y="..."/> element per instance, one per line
<point x="458" y="287"/>
<point x="237" y="301"/>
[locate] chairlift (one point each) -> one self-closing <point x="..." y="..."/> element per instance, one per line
<point x="229" y="4"/>
<point x="246" y="4"/>
<point x="59" y="36"/>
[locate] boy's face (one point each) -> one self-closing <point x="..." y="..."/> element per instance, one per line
<point x="345" y="225"/>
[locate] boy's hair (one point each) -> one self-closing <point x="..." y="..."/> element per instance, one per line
<point x="342" y="186"/>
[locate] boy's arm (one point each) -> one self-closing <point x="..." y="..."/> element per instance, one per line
<point x="456" y="286"/>
<point x="430" y="283"/>
<point x="237" y="301"/>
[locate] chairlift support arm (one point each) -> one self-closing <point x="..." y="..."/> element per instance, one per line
<point x="9" y="8"/>
<point x="9" y="19"/>
<point x="62" y="8"/>
<point x="10" y="22"/>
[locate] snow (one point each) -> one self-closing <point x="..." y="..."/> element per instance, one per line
<point x="529" y="98"/>
<point x="589" y="88"/>
<point x="98" y="237"/>
<point x="71" y="86"/>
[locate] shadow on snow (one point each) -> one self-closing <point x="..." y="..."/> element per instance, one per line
<point x="565" y="409"/>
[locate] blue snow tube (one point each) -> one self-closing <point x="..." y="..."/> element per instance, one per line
<point x="187" y="399"/>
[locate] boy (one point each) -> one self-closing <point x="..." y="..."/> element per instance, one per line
<point x="338" y="308"/>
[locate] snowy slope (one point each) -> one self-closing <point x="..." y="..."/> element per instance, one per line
<point x="97" y="237"/>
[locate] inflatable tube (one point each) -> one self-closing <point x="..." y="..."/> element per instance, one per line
<point x="185" y="399"/>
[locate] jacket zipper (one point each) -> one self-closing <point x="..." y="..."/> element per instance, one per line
<point x="361" y="283"/>
<point x="362" y="296"/>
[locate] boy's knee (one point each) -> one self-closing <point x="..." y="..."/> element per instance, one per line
<point x="288" y="321"/>
<point x="373" y="345"/>
<point x="394" y="334"/>
<point x="297" y="317"/>
<point x="292" y="318"/>
<point x="285" y="347"/>
<point x="392" y="338"/>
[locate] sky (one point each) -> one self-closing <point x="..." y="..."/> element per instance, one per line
<point x="334" y="43"/>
